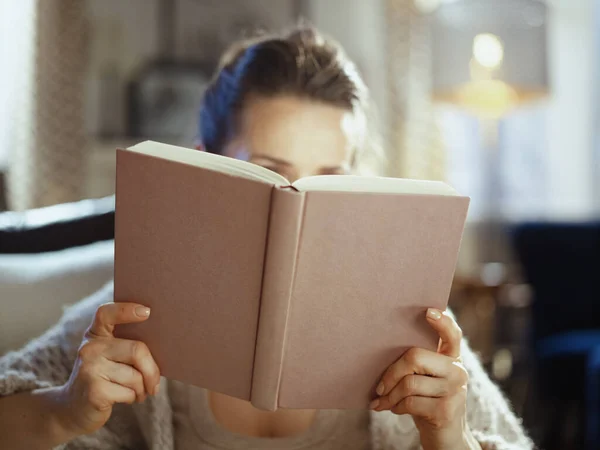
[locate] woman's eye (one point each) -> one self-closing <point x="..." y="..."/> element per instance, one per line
<point x="273" y="168"/>
<point x="334" y="171"/>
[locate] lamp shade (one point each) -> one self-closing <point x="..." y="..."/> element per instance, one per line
<point x="489" y="55"/>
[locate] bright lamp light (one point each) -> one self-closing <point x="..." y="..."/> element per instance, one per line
<point x="488" y="50"/>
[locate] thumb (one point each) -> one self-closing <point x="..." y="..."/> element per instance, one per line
<point x="448" y="330"/>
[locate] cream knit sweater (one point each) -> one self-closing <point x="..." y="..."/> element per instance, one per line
<point x="48" y="360"/>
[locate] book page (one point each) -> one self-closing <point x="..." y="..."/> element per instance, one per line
<point x="209" y="161"/>
<point x="357" y="183"/>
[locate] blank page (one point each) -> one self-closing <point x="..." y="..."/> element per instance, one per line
<point x="209" y="161"/>
<point x="356" y="183"/>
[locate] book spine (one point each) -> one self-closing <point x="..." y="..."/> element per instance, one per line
<point x="285" y="222"/>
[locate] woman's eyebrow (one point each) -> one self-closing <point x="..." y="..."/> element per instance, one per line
<point x="345" y="166"/>
<point x="273" y="159"/>
<point x="333" y="168"/>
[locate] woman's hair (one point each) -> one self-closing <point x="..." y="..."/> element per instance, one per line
<point x="299" y="63"/>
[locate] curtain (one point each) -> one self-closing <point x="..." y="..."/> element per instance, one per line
<point x="43" y="137"/>
<point x="596" y="119"/>
<point x="416" y="145"/>
<point x="16" y="41"/>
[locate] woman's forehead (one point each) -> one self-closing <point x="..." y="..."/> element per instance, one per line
<point x="296" y="130"/>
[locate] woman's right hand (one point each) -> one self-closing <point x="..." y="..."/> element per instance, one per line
<point x="108" y="370"/>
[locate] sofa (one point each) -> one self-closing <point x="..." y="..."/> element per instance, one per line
<point x="50" y="258"/>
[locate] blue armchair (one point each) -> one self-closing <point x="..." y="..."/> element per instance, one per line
<point x="562" y="264"/>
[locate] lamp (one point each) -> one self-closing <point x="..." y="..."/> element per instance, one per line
<point x="489" y="57"/>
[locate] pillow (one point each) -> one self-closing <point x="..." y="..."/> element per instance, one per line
<point x="34" y="288"/>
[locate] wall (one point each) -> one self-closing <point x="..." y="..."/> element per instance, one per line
<point x="207" y="23"/>
<point x="596" y="96"/>
<point x="125" y="35"/>
<point x="359" y="26"/>
<point x="572" y="53"/>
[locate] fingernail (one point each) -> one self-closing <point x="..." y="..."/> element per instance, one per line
<point x="434" y="314"/>
<point x="156" y="389"/>
<point x="142" y="311"/>
<point x="380" y="388"/>
<point x="374" y="404"/>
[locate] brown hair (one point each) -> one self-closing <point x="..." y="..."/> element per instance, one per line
<point x="301" y="63"/>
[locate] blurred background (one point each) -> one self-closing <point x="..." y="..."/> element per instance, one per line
<point x="500" y="98"/>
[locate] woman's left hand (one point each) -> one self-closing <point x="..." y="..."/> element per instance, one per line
<point x="432" y="388"/>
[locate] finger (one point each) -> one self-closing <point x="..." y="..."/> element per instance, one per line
<point x="449" y="331"/>
<point x="415" y="361"/>
<point x="437" y="411"/>
<point x="418" y="385"/>
<point x="111" y="314"/>
<point x="104" y="394"/>
<point x="137" y="355"/>
<point x="126" y="376"/>
<point x="424" y="407"/>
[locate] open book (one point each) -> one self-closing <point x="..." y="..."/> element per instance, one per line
<point x="287" y="295"/>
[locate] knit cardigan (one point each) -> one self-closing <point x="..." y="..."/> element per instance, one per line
<point x="48" y="360"/>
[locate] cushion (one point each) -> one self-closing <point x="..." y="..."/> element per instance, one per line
<point x="57" y="227"/>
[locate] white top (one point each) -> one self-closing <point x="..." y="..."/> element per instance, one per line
<point x="195" y="427"/>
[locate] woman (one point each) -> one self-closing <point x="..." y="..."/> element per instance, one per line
<point x="294" y="104"/>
